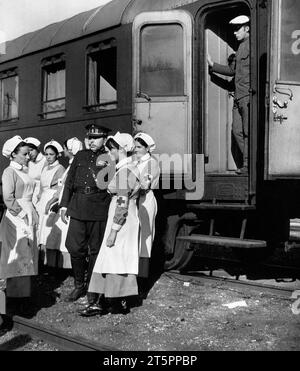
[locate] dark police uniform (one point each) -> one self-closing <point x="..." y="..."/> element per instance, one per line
<point x="87" y="207"/>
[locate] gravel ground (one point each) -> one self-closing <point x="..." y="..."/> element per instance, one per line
<point x="15" y="341"/>
<point x="179" y="314"/>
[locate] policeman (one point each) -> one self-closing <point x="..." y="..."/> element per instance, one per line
<point x="87" y="207"/>
<point x="241" y="73"/>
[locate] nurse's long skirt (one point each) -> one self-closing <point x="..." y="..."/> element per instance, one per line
<point x="116" y="268"/>
<point x="147" y="209"/>
<point x="19" y="253"/>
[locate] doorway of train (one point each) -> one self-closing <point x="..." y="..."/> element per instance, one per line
<point x="219" y="93"/>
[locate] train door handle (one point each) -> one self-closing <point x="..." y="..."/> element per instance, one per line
<point x="279" y="103"/>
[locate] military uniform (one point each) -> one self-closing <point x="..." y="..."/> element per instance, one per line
<point x="241" y="72"/>
<point x="87" y="206"/>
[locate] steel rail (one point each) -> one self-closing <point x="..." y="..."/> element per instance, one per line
<point x="56" y="337"/>
<point x="261" y="287"/>
<point x="65" y="342"/>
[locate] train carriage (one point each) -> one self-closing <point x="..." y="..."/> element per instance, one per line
<point x="138" y="65"/>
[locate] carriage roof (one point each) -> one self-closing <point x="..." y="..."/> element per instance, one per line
<point x="112" y="14"/>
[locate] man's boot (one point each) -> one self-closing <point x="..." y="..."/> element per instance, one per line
<point x="91" y="264"/>
<point x="78" y="266"/>
<point x="92" y="297"/>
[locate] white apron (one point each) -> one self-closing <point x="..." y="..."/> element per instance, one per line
<point x="58" y="235"/>
<point x="46" y="221"/>
<point x="19" y="249"/>
<point x="34" y="171"/>
<point x="123" y="257"/>
<point x="147" y="210"/>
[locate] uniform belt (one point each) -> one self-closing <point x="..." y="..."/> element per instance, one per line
<point x="87" y="190"/>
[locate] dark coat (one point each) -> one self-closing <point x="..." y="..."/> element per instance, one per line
<point x="83" y="173"/>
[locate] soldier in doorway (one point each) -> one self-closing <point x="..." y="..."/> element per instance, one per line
<point x="241" y="73"/>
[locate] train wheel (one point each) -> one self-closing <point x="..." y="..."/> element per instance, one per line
<point x="177" y="254"/>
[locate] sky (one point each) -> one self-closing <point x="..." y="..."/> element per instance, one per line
<point x="18" y="17"/>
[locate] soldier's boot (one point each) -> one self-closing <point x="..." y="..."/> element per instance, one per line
<point x="243" y="170"/>
<point x="78" y="266"/>
<point x="92" y="297"/>
<point x="91" y="264"/>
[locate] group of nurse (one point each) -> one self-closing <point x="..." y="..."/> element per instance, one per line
<point x="30" y="185"/>
<point x="31" y="230"/>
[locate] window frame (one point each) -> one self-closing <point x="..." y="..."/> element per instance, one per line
<point x="159" y="18"/>
<point x="277" y="44"/>
<point x="162" y="24"/>
<point x="12" y="72"/>
<point x="45" y="65"/>
<point x="94" y="49"/>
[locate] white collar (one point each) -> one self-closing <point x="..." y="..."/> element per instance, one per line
<point x="123" y="162"/>
<point x="39" y="158"/>
<point x="16" y="165"/>
<point x="71" y="160"/>
<point x="146" y="157"/>
<point x="53" y="165"/>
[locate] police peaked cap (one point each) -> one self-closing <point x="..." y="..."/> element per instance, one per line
<point x="97" y="131"/>
<point x="240" y="20"/>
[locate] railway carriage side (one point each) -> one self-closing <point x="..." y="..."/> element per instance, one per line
<point x="145" y="69"/>
<point x="239" y="218"/>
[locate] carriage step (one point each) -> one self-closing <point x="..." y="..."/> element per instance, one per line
<point x="294" y="236"/>
<point x="294" y="230"/>
<point x="201" y="239"/>
<point x="219" y="206"/>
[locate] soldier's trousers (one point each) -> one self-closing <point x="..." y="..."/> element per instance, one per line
<point x="83" y="241"/>
<point x="240" y="126"/>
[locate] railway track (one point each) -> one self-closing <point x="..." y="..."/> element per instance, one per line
<point x="55" y="337"/>
<point x="64" y="342"/>
<point x="198" y="278"/>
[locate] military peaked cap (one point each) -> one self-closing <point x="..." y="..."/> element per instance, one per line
<point x="96" y="131"/>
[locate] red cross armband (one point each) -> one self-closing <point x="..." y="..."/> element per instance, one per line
<point x="122" y="201"/>
<point x="120" y="213"/>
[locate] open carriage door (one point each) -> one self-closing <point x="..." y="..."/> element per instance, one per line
<point x="162" y="93"/>
<point x="283" y="134"/>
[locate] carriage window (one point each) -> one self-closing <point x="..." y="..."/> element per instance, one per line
<point x="54" y="89"/>
<point x="9" y="96"/>
<point x="162" y="62"/>
<point x="102" y="77"/>
<point x="290" y="41"/>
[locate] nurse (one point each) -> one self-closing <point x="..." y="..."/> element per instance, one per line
<point x="36" y="164"/>
<point x="18" y="226"/>
<point x="57" y="253"/>
<point x="50" y="183"/>
<point x="147" y="206"/>
<point x="115" y="272"/>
